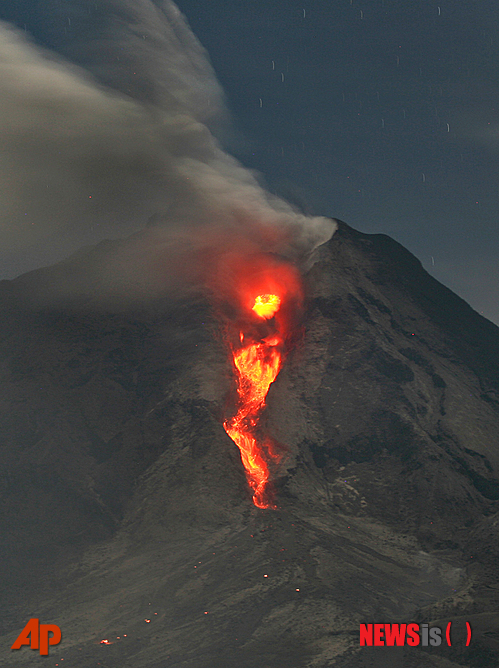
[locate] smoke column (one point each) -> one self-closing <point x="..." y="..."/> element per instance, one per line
<point x="107" y="122"/>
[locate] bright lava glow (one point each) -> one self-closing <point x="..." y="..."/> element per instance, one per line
<point x="266" y="306"/>
<point x="257" y="366"/>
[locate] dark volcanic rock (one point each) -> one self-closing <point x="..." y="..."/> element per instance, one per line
<point x="126" y="515"/>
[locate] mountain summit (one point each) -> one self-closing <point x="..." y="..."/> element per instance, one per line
<point x="126" y="515"/>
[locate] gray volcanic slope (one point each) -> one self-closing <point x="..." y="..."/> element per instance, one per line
<point x="125" y="513"/>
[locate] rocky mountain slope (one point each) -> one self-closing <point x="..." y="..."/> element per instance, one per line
<point x="125" y="513"/>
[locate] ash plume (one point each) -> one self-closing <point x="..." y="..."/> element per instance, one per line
<point x="109" y="121"/>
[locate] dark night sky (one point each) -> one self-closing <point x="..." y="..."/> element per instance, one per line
<point x="383" y="113"/>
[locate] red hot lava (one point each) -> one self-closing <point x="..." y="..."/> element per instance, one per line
<point x="265" y="296"/>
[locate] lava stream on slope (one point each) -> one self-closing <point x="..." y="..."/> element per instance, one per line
<point x="268" y="296"/>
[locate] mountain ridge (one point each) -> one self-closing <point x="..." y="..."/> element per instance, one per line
<point x="116" y="469"/>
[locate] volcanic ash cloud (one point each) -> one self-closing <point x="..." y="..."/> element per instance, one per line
<point x="85" y="156"/>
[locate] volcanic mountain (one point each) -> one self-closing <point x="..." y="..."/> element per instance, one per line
<point x="126" y="516"/>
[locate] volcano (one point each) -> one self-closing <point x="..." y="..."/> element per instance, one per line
<point x="127" y="518"/>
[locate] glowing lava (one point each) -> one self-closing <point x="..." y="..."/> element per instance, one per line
<point x="266" y="306"/>
<point x="259" y="298"/>
<point x="257" y="366"/>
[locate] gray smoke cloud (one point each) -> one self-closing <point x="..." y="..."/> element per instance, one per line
<point x="117" y="128"/>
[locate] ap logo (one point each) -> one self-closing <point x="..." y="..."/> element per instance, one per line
<point x="37" y="636"/>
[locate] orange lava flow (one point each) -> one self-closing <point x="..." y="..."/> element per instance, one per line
<point x="259" y="298"/>
<point x="257" y="366"/>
